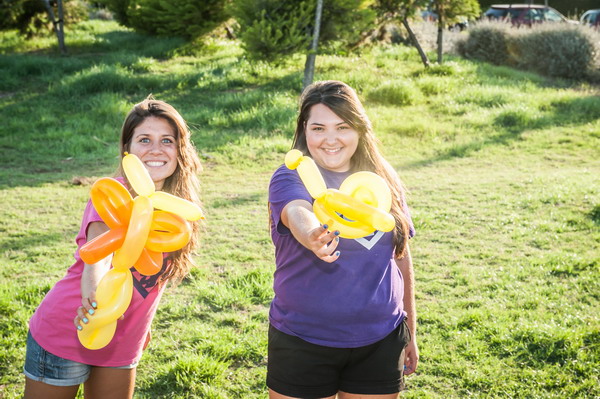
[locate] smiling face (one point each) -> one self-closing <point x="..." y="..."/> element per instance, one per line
<point x="330" y="140"/>
<point x="154" y="142"/>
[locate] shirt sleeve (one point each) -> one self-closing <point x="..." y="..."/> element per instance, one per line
<point x="89" y="216"/>
<point x="285" y="187"/>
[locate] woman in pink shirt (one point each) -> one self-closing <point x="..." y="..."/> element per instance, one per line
<point x="56" y="363"/>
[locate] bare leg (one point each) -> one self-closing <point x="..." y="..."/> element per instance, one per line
<point x="106" y="382"/>
<point x="36" y="389"/>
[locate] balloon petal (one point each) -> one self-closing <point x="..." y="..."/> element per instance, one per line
<point x="137" y="234"/>
<point x="102" y="246"/>
<point x="168" y="232"/>
<point x="112" y="201"/>
<point x="137" y="175"/>
<point x="179" y="206"/>
<point x="149" y="262"/>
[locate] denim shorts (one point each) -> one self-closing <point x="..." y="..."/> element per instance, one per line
<point x="43" y="366"/>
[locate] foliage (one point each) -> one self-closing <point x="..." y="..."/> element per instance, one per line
<point x="487" y="42"/>
<point x="185" y="18"/>
<point x="452" y="11"/>
<point x="273" y="29"/>
<point x="503" y="172"/>
<point x="558" y="50"/>
<point x="118" y="8"/>
<point x="29" y="17"/>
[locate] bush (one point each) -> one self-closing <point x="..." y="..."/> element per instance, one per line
<point x="29" y="17"/>
<point x="185" y="18"/>
<point x="273" y="29"/>
<point x="557" y="50"/>
<point x="487" y="42"/>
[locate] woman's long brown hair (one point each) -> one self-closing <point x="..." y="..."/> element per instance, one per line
<point x="344" y="102"/>
<point x="182" y="183"/>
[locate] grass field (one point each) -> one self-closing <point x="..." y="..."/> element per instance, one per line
<point x="503" y="169"/>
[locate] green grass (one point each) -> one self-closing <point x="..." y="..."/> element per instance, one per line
<point x="503" y="169"/>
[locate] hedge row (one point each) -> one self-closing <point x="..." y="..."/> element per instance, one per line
<point x="557" y="50"/>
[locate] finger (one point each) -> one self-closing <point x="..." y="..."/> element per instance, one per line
<point x="93" y="301"/>
<point x="316" y="233"/>
<point x="331" y="258"/>
<point x="82" y="315"/>
<point x="410" y="365"/>
<point x="88" y="305"/>
<point x="76" y="322"/>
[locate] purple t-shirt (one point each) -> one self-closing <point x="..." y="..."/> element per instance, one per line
<point x="352" y="302"/>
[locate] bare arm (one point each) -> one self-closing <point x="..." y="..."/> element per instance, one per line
<point x="408" y="275"/>
<point x="306" y="228"/>
<point x="91" y="276"/>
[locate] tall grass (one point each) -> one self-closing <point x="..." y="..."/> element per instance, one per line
<point x="503" y="170"/>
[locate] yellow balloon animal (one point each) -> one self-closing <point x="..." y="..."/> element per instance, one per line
<point x="357" y="209"/>
<point x="138" y="235"/>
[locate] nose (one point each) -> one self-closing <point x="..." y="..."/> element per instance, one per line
<point x="156" y="148"/>
<point x="331" y="137"/>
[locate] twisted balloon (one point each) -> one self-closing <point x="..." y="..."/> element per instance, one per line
<point x="138" y="235"/>
<point x="357" y="209"/>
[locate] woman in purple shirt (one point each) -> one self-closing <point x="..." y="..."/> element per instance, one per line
<point x="343" y="319"/>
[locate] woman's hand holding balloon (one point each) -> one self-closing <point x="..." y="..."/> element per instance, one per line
<point x="324" y="243"/>
<point x="302" y="222"/>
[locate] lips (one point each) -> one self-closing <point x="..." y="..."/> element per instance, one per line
<point x="331" y="150"/>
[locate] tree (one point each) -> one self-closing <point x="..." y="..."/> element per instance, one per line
<point x="449" y="11"/>
<point x="272" y="30"/>
<point x="58" y="26"/>
<point x="309" y="67"/>
<point x="402" y="10"/>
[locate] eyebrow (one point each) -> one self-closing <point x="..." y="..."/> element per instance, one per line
<point x="322" y="124"/>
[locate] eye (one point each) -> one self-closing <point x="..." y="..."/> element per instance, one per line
<point x="144" y="140"/>
<point x="317" y="129"/>
<point x="344" y="127"/>
<point x="167" y="141"/>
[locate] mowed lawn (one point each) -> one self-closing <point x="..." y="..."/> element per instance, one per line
<point x="502" y="167"/>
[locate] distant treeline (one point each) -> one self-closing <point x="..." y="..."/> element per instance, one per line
<point x="570" y="8"/>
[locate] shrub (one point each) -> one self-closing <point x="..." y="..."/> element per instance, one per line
<point x="185" y="18"/>
<point x="30" y="17"/>
<point x="487" y="41"/>
<point x="557" y="50"/>
<point x="273" y="29"/>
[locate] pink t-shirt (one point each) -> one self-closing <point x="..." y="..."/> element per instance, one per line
<point x="52" y="323"/>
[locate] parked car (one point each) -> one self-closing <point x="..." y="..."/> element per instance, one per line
<point x="591" y="18"/>
<point x="461" y="23"/>
<point x="525" y="14"/>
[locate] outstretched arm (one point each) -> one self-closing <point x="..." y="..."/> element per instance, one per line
<point x="306" y="228"/>
<point x="90" y="278"/>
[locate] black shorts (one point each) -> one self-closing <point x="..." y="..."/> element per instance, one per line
<point x="303" y="370"/>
